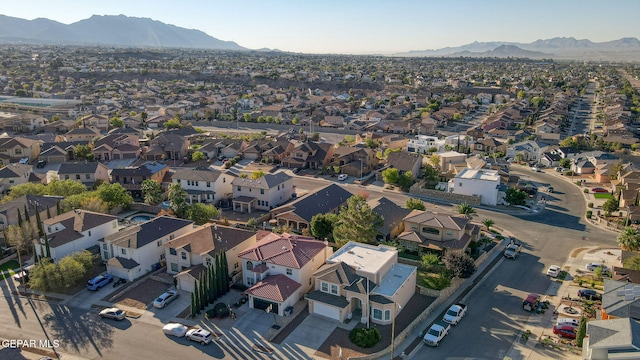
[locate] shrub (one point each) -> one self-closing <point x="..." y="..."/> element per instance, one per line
<point x="586" y="191"/>
<point x="590" y="205"/>
<point x="365" y="338"/>
<point x="589" y="213"/>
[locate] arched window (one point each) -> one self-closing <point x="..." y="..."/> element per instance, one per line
<point x="249" y="265"/>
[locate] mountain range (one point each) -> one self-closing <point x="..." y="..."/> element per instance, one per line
<point x="626" y="49"/>
<point x="121" y="30"/>
<point x="117" y="30"/>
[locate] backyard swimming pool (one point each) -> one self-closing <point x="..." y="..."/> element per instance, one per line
<point x="142" y="217"/>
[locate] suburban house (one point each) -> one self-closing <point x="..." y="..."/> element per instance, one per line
<point x="131" y="178"/>
<point x="392" y="215"/>
<point x="12" y="149"/>
<point x="167" y="146"/>
<point x="96" y="122"/>
<point x="81" y="134"/>
<point x="278" y="269"/>
<point x="58" y="152"/>
<point x="138" y="249"/>
<point x="427" y="231"/>
<point x="297" y="214"/>
<point x="423" y="144"/>
<point x="482" y="183"/>
<point x="116" y="146"/>
<point x="358" y="277"/>
<point x="86" y="172"/>
<point x="204" y="185"/>
<point x="621" y="299"/>
<point x="449" y="159"/>
<point x="74" y="231"/>
<point x="354" y="161"/>
<point x="16" y="174"/>
<point x="405" y="162"/>
<point x="309" y="155"/>
<point x="530" y="150"/>
<point x="263" y="193"/>
<point x="189" y="255"/>
<point x="33" y="203"/>
<point x="612" y="339"/>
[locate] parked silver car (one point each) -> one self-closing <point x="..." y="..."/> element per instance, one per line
<point x="166" y="298"/>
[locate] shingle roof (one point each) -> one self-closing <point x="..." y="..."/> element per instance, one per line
<point x="148" y="232"/>
<point x="621" y="335"/>
<point x="338" y="273"/>
<point x="210" y="239"/>
<point x="321" y="201"/>
<point x="391" y="213"/>
<point x="333" y="300"/>
<point x="78" y="168"/>
<point x="14" y="170"/>
<point x="285" y="250"/>
<point x="435" y="220"/>
<point x="275" y="287"/>
<point x="196" y="174"/>
<point x="123" y="262"/>
<point x="75" y="222"/>
<point x="268" y="181"/>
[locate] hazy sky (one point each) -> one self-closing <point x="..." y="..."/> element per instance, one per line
<point x="359" y="26"/>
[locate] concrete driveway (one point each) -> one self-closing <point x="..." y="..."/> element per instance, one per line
<point x="311" y="333"/>
<point x="254" y="323"/>
<point x="85" y="298"/>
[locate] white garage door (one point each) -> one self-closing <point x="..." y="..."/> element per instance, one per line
<point x="185" y="284"/>
<point x="326" y="310"/>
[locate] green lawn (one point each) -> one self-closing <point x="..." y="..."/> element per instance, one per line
<point x="602" y="195"/>
<point x="9" y="265"/>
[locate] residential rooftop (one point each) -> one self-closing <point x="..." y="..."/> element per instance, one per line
<point x="364" y="257"/>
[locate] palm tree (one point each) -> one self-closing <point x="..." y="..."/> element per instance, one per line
<point x="465" y="209"/>
<point x="629" y="239"/>
<point x="488" y="223"/>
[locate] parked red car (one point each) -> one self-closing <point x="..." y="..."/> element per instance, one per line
<point x="599" y="190"/>
<point x="565" y="331"/>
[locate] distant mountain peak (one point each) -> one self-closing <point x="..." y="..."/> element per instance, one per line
<point x="118" y="30"/>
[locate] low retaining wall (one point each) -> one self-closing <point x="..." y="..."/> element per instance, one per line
<point x="418" y="189"/>
<point x="6" y="259"/>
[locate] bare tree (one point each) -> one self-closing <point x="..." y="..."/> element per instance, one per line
<point x="21" y="237"/>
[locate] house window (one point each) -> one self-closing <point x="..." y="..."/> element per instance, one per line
<point x="87" y="176"/>
<point x="377" y="314"/>
<point x="184" y="255"/>
<point x="414" y="227"/>
<point x="289" y="272"/>
<point x="159" y="243"/>
<point x="235" y="266"/>
<point x="174" y="267"/>
<point x="262" y="191"/>
<point x="172" y="236"/>
<point x="118" y="179"/>
<point x="449" y="232"/>
<point x="429" y="230"/>
<point x="161" y="256"/>
<point x="249" y="265"/>
<point x="89" y="232"/>
<point x="239" y="188"/>
<point x="77" y="176"/>
<point x="224" y="180"/>
<point x="172" y="251"/>
<point x="387" y="315"/>
<point x="266" y="203"/>
<point x="334" y="289"/>
<point x="208" y="184"/>
<point x="105" y="247"/>
<point x="18" y="151"/>
<point x="11" y="181"/>
<point x="460" y="184"/>
<point x="208" y="262"/>
<point x="324" y="287"/>
<point x="66" y="177"/>
<point x="123" y="251"/>
<point x="249" y="281"/>
<point x="195" y="183"/>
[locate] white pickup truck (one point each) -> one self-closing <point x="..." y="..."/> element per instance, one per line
<point x="512" y="250"/>
<point x="436" y="333"/>
<point x="455" y="314"/>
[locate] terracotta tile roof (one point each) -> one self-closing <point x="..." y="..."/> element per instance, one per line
<point x="277" y="288"/>
<point x="285" y="250"/>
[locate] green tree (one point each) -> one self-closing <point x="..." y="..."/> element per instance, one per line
<point x="173" y="124"/>
<point x="71" y="270"/>
<point x="152" y="192"/>
<point x="247" y="117"/>
<point x="84" y="258"/>
<point x="225" y="271"/>
<point x="610" y="206"/>
<point x="515" y="196"/>
<point x="434" y="160"/>
<point x="197" y="156"/>
<point x="257" y="174"/>
<point x="114" y="195"/>
<point x="565" y="163"/>
<point x="521" y="94"/>
<point x="201" y="213"/>
<point x="465" y="209"/>
<point x="519" y="157"/>
<point x="390" y="175"/>
<point x="21" y="237"/>
<point x="116" y="122"/>
<point x="65" y="188"/>
<point x="632" y="263"/>
<point x="322" y="225"/>
<point x="488" y="223"/>
<point x="348" y="139"/>
<point x="198" y="299"/>
<point x="629" y="239"/>
<point x="428" y="261"/>
<point x="460" y="264"/>
<point x="415" y="204"/>
<point x="431" y="174"/>
<point x="45" y="276"/>
<point x="405" y="180"/>
<point x="295" y="121"/>
<point x="582" y="331"/>
<point x="357" y="222"/>
<point x="193" y="309"/>
<point x="83" y="152"/>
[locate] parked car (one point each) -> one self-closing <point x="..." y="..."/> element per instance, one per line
<point x="436" y="333"/>
<point x="166" y="298"/>
<point x="342" y="177"/>
<point x="536" y="169"/>
<point x="568" y="322"/>
<point x="24" y="161"/>
<point x="589" y="294"/>
<point x="112" y="313"/>
<point x="200" y="335"/>
<point x="455" y="314"/>
<point x="23" y="275"/>
<point x="553" y="271"/>
<point x="41" y="163"/>
<point x="242" y="300"/>
<point x="594" y="266"/>
<point x="599" y="190"/>
<point x="559" y="169"/>
<point x="175" y="329"/>
<point x="531" y="302"/>
<point x="565" y="331"/>
<point x="512" y="251"/>
<point x="99" y="281"/>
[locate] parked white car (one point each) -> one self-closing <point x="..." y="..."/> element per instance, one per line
<point x="553" y="271"/>
<point x="166" y="298"/>
<point x="175" y="329"/>
<point x="112" y="313"/>
<point x="200" y="335"/>
<point x="594" y="266"/>
<point x="342" y="177"/>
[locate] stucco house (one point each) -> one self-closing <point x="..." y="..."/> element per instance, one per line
<point x="359" y="277"/>
<point x="74" y="231"/>
<point x="427" y="231"/>
<point x="204" y="185"/>
<point x="138" y="249"/>
<point x="190" y="254"/>
<point x="482" y="183"/>
<point x="278" y="269"/>
<point x="264" y="193"/>
<point x="85" y="172"/>
<point x="16" y="174"/>
<point x="612" y="339"/>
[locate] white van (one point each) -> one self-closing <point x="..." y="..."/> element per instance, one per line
<point x="568" y="322"/>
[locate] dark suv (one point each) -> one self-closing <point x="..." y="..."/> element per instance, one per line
<point x="41" y="163"/>
<point x="589" y="294"/>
